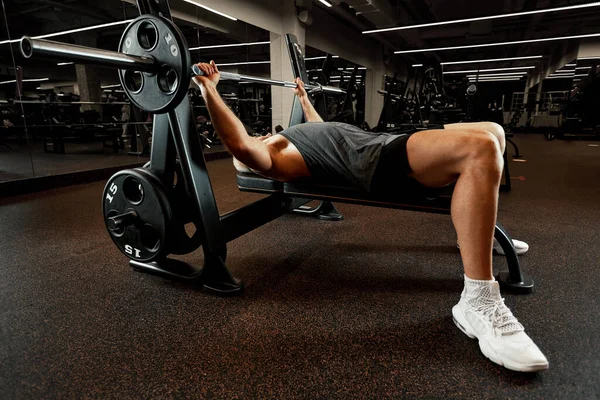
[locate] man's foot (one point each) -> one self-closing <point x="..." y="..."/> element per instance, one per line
<point x="481" y="314"/>
<point x="520" y="247"/>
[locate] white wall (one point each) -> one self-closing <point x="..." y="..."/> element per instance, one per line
<point x="589" y="48"/>
<point x="329" y="34"/>
<point x="265" y="14"/>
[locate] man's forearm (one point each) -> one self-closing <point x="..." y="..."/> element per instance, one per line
<point x="310" y="113"/>
<point x="232" y="133"/>
<point x="226" y="124"/>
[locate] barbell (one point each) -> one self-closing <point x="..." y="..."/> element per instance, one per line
<point x="154" y="73"/>
<point x="229" y="76"/>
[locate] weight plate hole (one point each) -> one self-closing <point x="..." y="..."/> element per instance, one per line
<point x="119" y="231"/>
<point x="190" y="229"/>
<point x="147" y="35"/>
<point x="134" y="81"/>
<point x="168" y="81"/>
<point x="150" y="237"/>
<point x="133" y="190"/>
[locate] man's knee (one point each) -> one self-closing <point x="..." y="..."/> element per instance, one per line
<point x="486" y="152"/>
<point x="498" y="131"/>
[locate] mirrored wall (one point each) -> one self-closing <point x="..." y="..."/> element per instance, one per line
<point x="330" y="69"/>
<point x="58" y="117"/>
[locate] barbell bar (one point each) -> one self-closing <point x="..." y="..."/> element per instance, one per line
<point x="229" y="76"/>
<point x="107" y="58"/>
<point x="86" y="55"/>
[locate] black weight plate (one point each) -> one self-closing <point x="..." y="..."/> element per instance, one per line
<point x="179" y="241"/>
<point x="159" y="38"/>
<point x="139" y="191"/>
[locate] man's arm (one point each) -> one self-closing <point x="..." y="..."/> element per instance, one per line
<point x="310" y="113"/>
<point x="230" y="129"/>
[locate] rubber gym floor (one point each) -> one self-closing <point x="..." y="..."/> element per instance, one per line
<point x="351" y="309"/>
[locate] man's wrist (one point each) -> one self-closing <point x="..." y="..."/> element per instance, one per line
<point x="208" y="90"/>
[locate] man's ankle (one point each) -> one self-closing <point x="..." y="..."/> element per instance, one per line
<point x="475" y="279"/>
<point x="474" y="285"/>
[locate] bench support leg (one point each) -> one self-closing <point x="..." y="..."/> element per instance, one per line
<point x="512" y="280"/>
<point x="325" y="211"/>
<point x="214" y="277"/>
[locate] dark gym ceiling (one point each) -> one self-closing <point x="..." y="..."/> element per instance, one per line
<point x="377" y="14"/>
<point x="204" y="28"/>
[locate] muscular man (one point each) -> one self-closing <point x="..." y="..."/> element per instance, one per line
<point x="471" y="156"/>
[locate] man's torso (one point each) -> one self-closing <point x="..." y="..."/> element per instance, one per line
<point x="332" y="153"/>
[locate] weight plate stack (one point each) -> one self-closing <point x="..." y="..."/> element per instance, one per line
<point x="160" y="39"/>
<point x="137" y="214"/>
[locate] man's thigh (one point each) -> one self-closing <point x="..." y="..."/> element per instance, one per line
<point x="437" y="157"/>
<point x="481" y="126"/>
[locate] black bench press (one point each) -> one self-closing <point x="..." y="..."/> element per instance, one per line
<point x="147" y="210"/>
<point x="296" y="194"/>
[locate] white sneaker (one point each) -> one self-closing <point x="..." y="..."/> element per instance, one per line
<point x="482" y="314"/>
<point x="520" y="247"/>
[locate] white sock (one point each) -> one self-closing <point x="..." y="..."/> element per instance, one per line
<point x="472" y="285"/>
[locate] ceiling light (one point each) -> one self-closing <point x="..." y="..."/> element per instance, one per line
<point x="502" y="80"/>
<point x="490" y="60"/>
<point x="65" y="63"/>
<point x="244" y="63"/>
<point x="457" y="21"/>
<point x="560" y="77"/>
<point x="494" y="80"/>
<point x="26" y="80"/>
<point x="487" y="70"/>
<point x="472" y="46"/>
<point x="417" y="65"/>
<point x="111" y="86"/>
<point x="211" y="10"/>
<point x="495" y="77"/>
<point x="319" y="58"/>
<point x="218" y="46"/>
<point x="583" y="68"/>
<point x="570" y="65"/>
<point x="499" y="74"/>
<point x="588" y="58"/>
<point x="580" y="75"/>
<point x="328" y="4"/>
<point x="87" y="28"/>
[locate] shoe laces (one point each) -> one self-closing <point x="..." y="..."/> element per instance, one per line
<point x="493" y="308"/>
